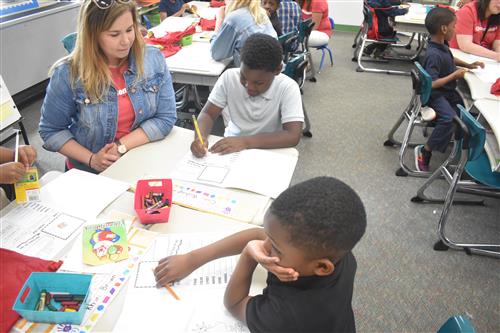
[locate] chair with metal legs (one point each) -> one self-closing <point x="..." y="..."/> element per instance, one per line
<point x="474" y="161"/>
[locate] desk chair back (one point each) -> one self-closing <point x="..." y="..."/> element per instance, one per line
<point x="424" y="88"/>
<point x="457" y="324"/>
<point x="289" y="43"/>
<point x="69" y="41"/>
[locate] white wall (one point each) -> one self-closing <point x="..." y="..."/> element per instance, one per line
<point x="347" y="12"/>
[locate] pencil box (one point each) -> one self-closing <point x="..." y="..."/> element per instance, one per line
<point x="28" y="299"/>
<point x="153" y="200"/>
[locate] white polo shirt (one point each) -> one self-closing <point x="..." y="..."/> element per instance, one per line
<point x="264" y="113"/>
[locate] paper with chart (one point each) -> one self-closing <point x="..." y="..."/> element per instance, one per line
<point x="261" y="171"/>
<point x="235" y="204"/>
<point x="81" y="194"/>
<point x="214" y="274"/>
<point x="9" y="113"/>
<point x="37" y="230"/>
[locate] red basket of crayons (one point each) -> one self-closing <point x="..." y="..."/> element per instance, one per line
<point x="153" y="200"/>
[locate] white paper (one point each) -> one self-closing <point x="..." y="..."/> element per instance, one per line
<point x="214" y="318"/>
<point x="489" y="74"/>
<point x="81" y="194"/>
<point x="215" y="274"/>
<point x="260" y="171"/>
<point x="36" y="230"/>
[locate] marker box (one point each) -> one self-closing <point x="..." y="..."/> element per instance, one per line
<point x="143" y="189"/>
<point x="29" y="297"/>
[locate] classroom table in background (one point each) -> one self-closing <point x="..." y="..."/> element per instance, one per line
<point x="414" y="20"/>
<point x="193" y="64"/>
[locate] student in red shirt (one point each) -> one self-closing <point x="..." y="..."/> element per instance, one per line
<point x="478" y="29"/>
<point x="318" y="11"/>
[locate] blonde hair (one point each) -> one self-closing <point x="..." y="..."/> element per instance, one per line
<point x="87" y="60"/>
<point x="258" y="13"/>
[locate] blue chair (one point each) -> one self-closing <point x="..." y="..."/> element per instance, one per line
<point x="69" y="41"/>
<point x="325" y="48"/>
<point x="472" y="157"/>
<point x="422" y="87"/>
<point x="457" y="324"/>
<point x="296" y="68"/>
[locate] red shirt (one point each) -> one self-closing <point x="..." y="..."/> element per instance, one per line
<point x="318" y="6"/>
<point x="126" y="115"/>
<point x="468" y="23"/>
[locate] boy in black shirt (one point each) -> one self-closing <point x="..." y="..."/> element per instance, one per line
<point x="309" y="232"/>
<point x="441" y="66"/>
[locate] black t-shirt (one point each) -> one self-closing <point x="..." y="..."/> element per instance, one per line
<point x="310" y="304"/>
<point x="439" y="63"/>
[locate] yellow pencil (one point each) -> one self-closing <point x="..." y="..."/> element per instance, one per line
<point x="171" y="291"/>
<point x="197" y="128"/>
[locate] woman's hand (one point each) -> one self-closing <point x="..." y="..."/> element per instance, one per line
<point x="27" y="155"/>
<point x="260" y="251"/>
<point x="11" y="172"/>
<point x="173" y="268"/>
<point x="101" y="160"/>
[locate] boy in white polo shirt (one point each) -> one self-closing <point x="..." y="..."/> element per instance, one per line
<point x="261" y="106"/>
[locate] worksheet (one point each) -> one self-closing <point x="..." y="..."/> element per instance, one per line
<point x="256" y="170"/>
<point x="34" y="229"/>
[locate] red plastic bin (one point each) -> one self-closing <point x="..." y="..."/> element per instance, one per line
<point x="143" y="188"/>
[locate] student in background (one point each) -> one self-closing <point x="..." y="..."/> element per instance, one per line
<point x="271" y="6"/>
<point x="441" y="66"/>
<point x="110" y="94"/>
<point x="172" y="8"/>
<point x="387" y="10"/>
<point x="11" y="171"/>
<point x="309" y="232"/>
<point x="289" y="14"/>
<point x="234" y="24"/>
<point x="478" y="29"/>
<point x="318" y="11"/>
<point x="261" y="106"/>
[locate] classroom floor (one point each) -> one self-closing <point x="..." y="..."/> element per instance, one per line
<point x="402" y="284"/>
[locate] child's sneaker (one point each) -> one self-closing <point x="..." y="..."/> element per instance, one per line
<point x="422" y="159"/>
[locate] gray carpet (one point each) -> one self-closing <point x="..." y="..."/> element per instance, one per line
<point x="402" y="284"/>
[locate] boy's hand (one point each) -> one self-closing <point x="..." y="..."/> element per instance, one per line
<point x="11" y="172"/>
<point x="459" y="73"/>
<point x="173" y="268"/>
<point x="259" y="250"/>
<point x="476" y="64"/>
<point x="229" y="145"/>
<point x="198" y="149"/>
<point x="27" y="155"/>
<point x="104" y="157"/>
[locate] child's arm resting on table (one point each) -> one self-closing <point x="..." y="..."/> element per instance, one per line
<point x="177" y="267"/>
<point x="288" y="137"/>
<point x="473" y="65"/>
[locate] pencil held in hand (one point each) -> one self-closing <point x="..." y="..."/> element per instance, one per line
<point x="197" y="129"/>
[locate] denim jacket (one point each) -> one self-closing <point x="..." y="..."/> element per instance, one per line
<point x="67" y="113"/>
<point x="236" y="28"/>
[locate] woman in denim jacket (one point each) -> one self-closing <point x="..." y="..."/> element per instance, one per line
<point x="110" y="94"/>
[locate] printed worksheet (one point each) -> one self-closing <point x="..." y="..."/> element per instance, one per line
<point x="213" y="317"/>
<point x="257" y="170"/>
<point x="34" y="229"/>
<point x="214" y="274"/>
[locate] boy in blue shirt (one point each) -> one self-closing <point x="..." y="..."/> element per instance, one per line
<point x="309" y="232"/>
<point x="290" y="15"/>
<point x="441" y="66"/>
<point x="172" y="8"/>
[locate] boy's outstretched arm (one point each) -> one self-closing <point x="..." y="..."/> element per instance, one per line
<point x="177" y="267"/>
<point x="289" y="136"/>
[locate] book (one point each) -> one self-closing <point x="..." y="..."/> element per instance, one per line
<point x="104" y="243"/>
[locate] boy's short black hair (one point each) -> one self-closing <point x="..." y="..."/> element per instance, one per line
<point x="323" y="215"/>
<point x="438" y="17"/>
<point x="261" y="51"/>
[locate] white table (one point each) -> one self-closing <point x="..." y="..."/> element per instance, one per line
<point x="414" y="20"/>
<point x="158" y="160"/>
<point x="193" y="64"/>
